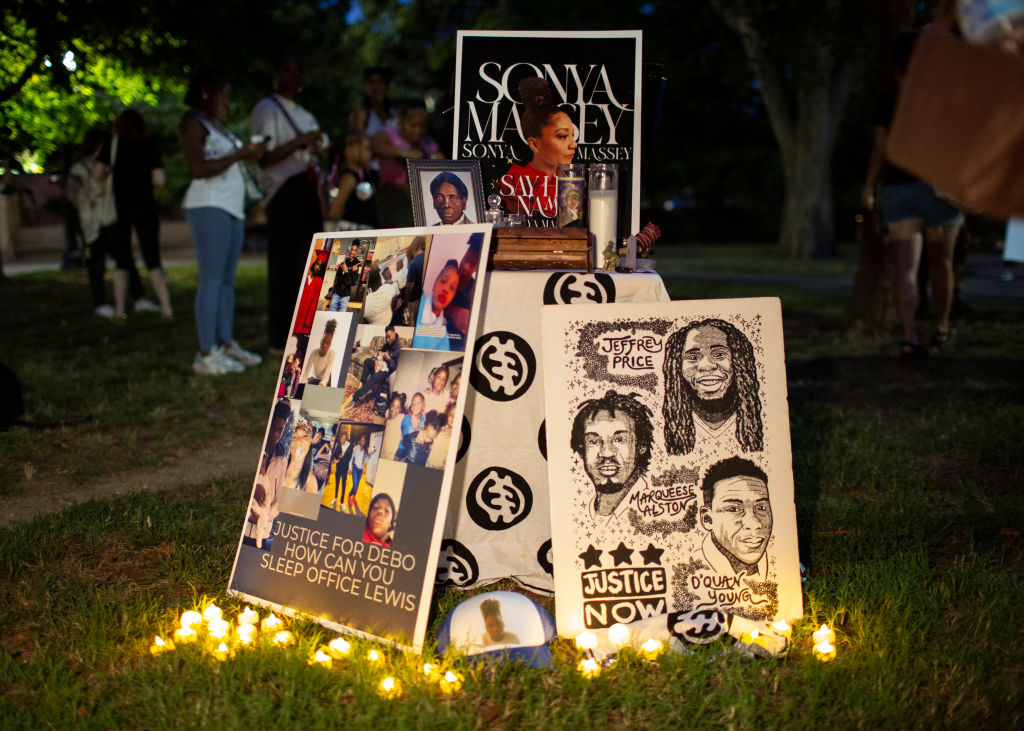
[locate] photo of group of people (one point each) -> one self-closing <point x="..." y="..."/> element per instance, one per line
<point x="351" y="395"/>
<point x="363" y="421"/>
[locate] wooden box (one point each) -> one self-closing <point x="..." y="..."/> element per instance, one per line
<point x="540" y="248"/>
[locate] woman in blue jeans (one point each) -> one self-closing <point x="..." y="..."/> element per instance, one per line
<point x="214" y="207"/>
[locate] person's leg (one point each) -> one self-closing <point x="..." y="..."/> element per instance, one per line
<point x="905" y="237"/>
<point x="96" y="261"/>
<point x="121" y="249"/>
<point x="147" y="226"/>
<point x="211" y="234"/>
<point x="293" y="217"/>
<point x="940" y="241"/>
<point x="226" y="295"/>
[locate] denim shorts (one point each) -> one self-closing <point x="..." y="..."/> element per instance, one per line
<point x="917" y="200"/>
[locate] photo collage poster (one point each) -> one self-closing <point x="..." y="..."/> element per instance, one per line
<point x="583" y="91"/>
<point x="345" y="517"/>
<point x="670" y="460"/>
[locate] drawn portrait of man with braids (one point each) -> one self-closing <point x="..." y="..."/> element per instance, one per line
<point x="711" y="388"/>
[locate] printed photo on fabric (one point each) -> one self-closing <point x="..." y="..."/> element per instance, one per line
<point x="669" y="458"/>
<point x="344" y="521"/>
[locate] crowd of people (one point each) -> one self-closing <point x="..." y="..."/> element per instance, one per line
<point x="112" y="182"/>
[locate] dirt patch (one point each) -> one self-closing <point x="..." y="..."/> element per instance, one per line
<point x="198" y="467"/>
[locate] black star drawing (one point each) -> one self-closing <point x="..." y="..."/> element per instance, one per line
<point x="652" y="554"/>
<point x="622" y="555"/>
<point x="591" y="557"/>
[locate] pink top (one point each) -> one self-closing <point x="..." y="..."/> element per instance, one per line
<point x="392" y="169"/>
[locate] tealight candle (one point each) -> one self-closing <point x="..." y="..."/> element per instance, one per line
<point x="451" y="682"/>
<point x="389" y="687"/>
<point x="430" y="670"/>
<point x="618" y="635"/>
<point x="248" y="616"/>
<point x="159" y="645"/>
<point x="245" y="633"/>
<point x="212" y="612"/>
<point x="339" y="647"/>
<point x="652" y="648"/>
<point x="586" y="640"/>
<point x="271" y="623"/>
<point x="825" y="651"/>
<point x="218" y="628"/>
<point x="221" y="653"/>
<point x="589" y="667"/>
<point x="373" y="656"/>
<point x="825" y="636"/>
<point x="284" y="637"/>
<point x="783" y="628"/>
<point x="322" y="658"/>
<point x="190" y="619"/>
<point x="185" y="635"/>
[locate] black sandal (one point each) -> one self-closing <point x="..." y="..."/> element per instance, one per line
<point x="910" y="350"/>
<point x="941" y="337"/>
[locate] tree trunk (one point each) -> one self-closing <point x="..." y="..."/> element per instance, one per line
<point x="807" y="222"/>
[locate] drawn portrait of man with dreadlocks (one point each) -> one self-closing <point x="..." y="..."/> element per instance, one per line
<point x="711" y="388"/>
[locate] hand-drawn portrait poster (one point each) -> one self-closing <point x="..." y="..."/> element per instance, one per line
<point x="526" y="102"/>
<point x="345" y="518"/>
<point x="669" y="460"/>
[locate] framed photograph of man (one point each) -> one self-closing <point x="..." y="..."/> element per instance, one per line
<point x="446" y="192"/>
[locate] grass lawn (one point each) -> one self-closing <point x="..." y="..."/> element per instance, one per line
<point x="908" y="483"/>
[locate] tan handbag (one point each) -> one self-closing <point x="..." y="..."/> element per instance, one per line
<point x="959" y="122"/>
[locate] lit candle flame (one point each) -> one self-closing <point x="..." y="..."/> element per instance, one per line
<point x="284" y="637"/>
<point x="339" y="646"/>
<point x="824" y="636"/>
<point x="782" y="627"/>
<point x="825" y="651"/>
<point x="618" y="635"/>
<point x="389" y="687"/>
<point x="212" y="612"/>
<point x="190" y="619"/>
<point x="588" y="667"/>
<point x="652" y="648"/>
<point x="322" y="658"/>
<point x="451" y="682"/>
<point x="185" y="635"/>
<point x="248" y="616"/>
<point x="430" y="670"/>
<point x="373" y="656"/>
<point x="218" y="628"/>
<point x="271" y="623"/>
<point x="221" y="653"/>
<point x="246" y="633"/>
<point x="159" y="645"/>
<point x="586" y="640"/>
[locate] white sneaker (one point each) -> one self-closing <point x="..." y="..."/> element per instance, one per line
<point x="145" y="305"/>
<point x="209" y="365"/>
<point x="104" y="311"/>
<point x="226" y="360"/>
<point x="243" y="356"/>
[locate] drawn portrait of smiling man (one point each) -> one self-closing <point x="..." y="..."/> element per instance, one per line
<point x="711" y="388"/>
<point x="612" y="435"/>
<point x="737" y="515"/>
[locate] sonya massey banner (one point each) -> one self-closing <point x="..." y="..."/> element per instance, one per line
<point x="592" y="77"/>
<point x="346" y="513"/>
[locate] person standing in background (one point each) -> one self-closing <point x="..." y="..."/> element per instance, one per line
<point x="214" y="207"/>
<point x="290" y="180"/>
<point x="137" y="169"/>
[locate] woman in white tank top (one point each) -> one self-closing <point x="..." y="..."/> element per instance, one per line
<point x="214" y="207"/>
